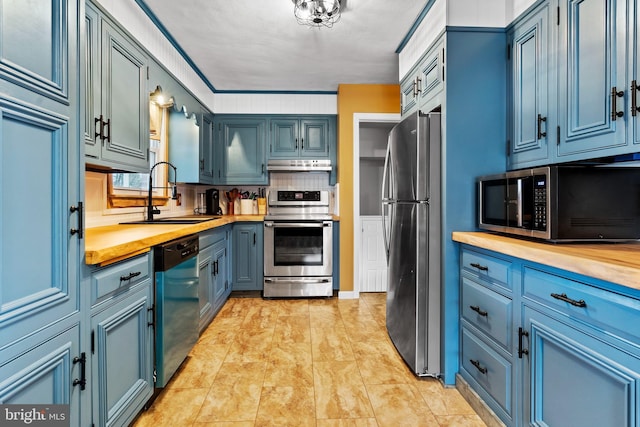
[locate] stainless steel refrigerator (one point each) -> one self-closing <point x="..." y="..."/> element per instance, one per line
<point x="412" y="237"/>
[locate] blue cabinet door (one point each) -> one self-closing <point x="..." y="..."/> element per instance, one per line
<point x="592" y="84"/>
<point x="571" y="378"/>
<point x="44" y="374"/>
<point x="125" y="100"/>
<point x="241" y="150"/>
<point x="314" y="138"/>
<point x="206" y="149"/>
<point x="122" y="361"/>
<point x="39" y="162"/>
<point x="221" y="282"/>
<point x="247" y="256"/>
<point x="205" y="278"/>
<point x="285" y="140"/>
<point x="634" y="70"/>
<point x="531" y="115"/>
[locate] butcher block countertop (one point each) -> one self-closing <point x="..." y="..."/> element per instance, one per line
<point x="613" y="262"/>
<point x="111" y="243"/>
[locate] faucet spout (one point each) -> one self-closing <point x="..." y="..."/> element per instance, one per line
<point x="150" y="209"/>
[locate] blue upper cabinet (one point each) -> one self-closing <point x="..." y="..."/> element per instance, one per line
<point x="591" y="99"/>
<point x="421" y="85"/>
<point x="117" y="98"/>
<point x="240" y="150"/>
<point x="301" y="137"/>
<point x="634" y="68"/>
<point x="529" y="89"/>
<point x="570" y="83"/>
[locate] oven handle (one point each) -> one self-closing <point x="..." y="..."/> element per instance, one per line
<point x="292" y="280"/>
<point x="298" y="224"/>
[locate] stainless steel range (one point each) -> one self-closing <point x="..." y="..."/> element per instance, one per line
<point x="298" y="244"/>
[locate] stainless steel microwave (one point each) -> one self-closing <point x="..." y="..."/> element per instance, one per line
<point x="563" y="203"/>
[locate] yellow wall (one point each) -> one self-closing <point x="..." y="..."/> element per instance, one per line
<point x="355" y="99"/>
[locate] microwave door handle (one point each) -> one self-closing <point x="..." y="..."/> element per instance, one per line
<point x="519" y="204"/>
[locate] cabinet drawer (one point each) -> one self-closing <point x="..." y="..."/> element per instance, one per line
<point x="488" y="311"/>
<point x="596" y="307"/>
<point x="118" y="277"/>
<point x="490" y="370"/>
<point x="211" y="237"/>
<point x="486" y="267"/>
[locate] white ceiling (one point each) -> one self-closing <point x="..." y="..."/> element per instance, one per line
<point x="257" y="45"/>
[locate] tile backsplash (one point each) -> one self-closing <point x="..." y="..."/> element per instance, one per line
<point x="98" y="214"/>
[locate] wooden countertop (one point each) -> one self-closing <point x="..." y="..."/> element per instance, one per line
<point x="613" y="262"/>
<point x="111" y="243"/>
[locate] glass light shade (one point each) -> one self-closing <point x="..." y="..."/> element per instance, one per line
<point x="317" y="13"/>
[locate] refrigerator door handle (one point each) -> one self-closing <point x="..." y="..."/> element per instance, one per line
<point x="384" y="201"/>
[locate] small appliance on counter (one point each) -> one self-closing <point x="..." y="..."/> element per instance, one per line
<point x="212" y="200"/>
<point x="563" y="203"/>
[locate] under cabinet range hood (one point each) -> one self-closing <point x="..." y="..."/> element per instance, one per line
<point x="299" y="165"/>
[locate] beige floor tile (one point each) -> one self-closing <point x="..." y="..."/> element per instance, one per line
<point x="234" y="394"/>
<point x="289" y="365"/>
<point x="172" y="408"/>
<point x="198" y="371"/>
<point x="380" y="364"/>
<point x="340" y="392"/>
<point x="399" y="405"/>
<point x="291" y="307"/>
<point x="460" y="421"/>
<point x="286" y="407"/>
<point x="351" y="422"/>
<point x="292" y="329"/>
<point x="261" y="316"/>
<point x="251" y="345"/>
<point x="330" y="344"/>
<point x="225" y="424"/>
<point x="441" y="400"/>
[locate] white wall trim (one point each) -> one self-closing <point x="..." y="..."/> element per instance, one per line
<point x="348" y="295"/>
<point x="357" y="119"/>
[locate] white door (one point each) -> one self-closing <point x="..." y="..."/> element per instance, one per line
<point x="373" y="262"/>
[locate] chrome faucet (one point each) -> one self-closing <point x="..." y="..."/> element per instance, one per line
<point x="174" y="193"/>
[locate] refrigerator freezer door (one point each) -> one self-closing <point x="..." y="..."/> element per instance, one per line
<point x="408" y="159"/>
<point x="407" y="293"/>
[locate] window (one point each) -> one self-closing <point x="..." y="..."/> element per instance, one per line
<point x="131" y="189"/>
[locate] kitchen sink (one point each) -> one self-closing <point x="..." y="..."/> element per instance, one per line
<point x="191" y="219"/>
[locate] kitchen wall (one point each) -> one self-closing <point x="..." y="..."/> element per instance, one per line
<point x="353" y="98"/>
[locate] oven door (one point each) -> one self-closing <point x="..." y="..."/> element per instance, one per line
<point x="298" y="248"/>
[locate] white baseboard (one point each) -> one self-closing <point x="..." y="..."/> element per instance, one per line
<point x="348" y="295"/>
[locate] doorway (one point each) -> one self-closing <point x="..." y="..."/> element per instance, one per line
<point x="370" y="133"/>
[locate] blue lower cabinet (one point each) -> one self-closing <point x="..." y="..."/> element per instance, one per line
<point x="121" y="341"/>
<point x="546" y="347"/>
<point x="44" y="372"/>
<point x="573" y="378"/>
<point x="248" y="250"/>
<point x="215" y="284"/>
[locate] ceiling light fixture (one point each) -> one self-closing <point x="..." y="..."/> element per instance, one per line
<point x="317" y="13"/>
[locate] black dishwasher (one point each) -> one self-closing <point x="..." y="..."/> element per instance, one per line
<point x="176" y="304"/>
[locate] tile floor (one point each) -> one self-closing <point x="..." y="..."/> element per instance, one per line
<point x="307" y="362"/>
